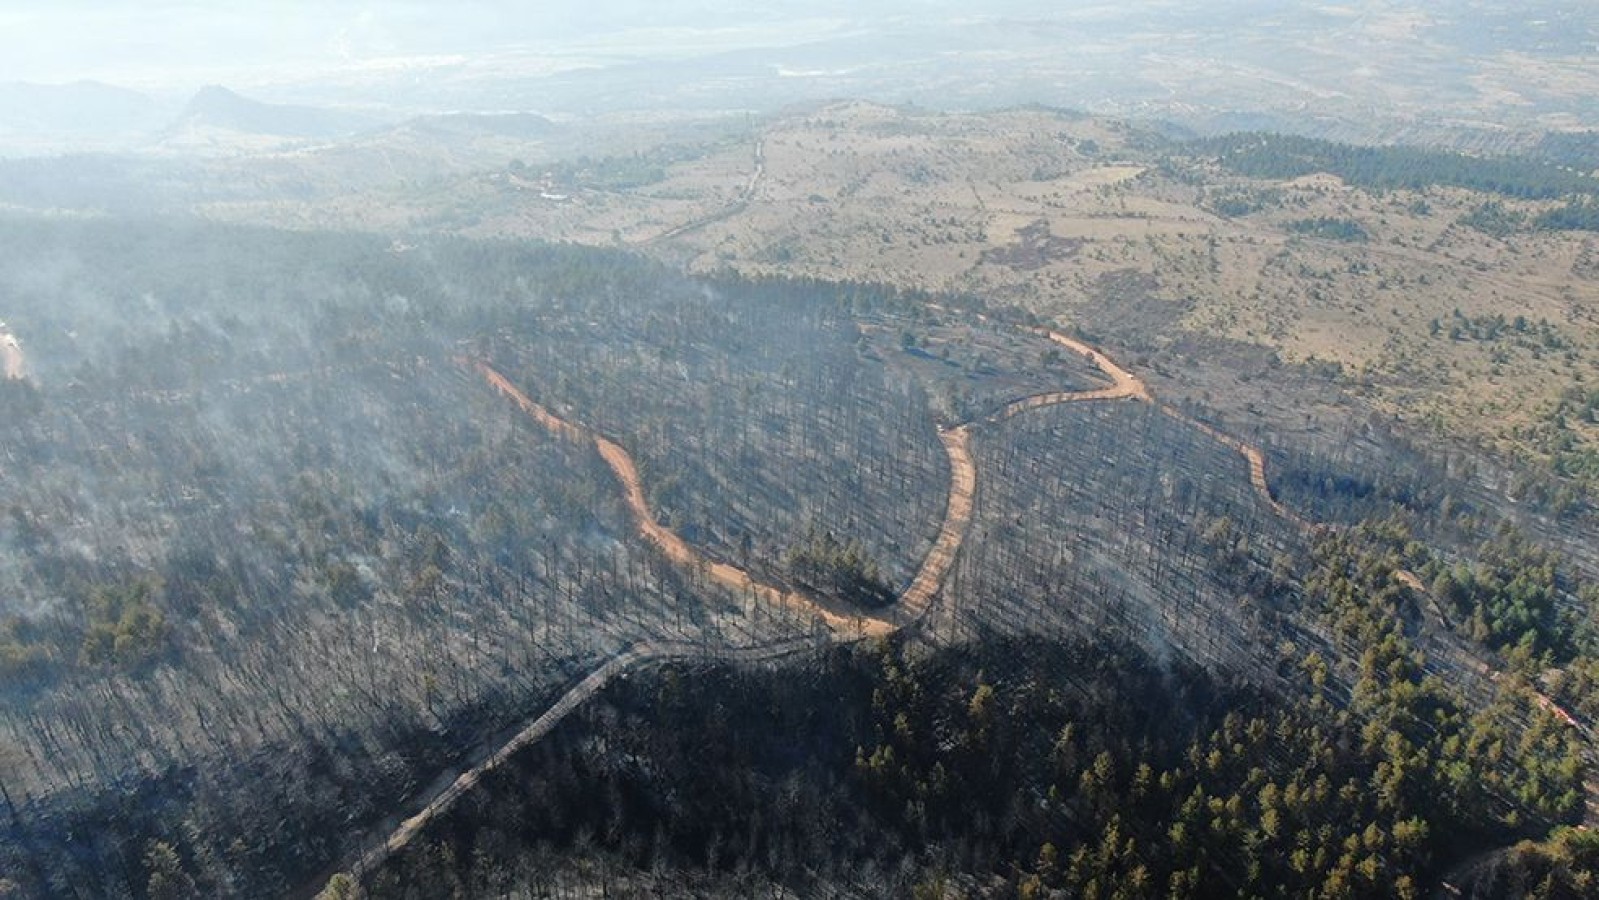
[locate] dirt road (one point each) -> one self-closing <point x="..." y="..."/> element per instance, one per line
<point x="737" y="206"/>
<point x="839" y="618"/>
<point x="1124" y="384"/>
<point x="918" y="598"/>
<point x="1127" y="386"/>
<point x="1251" y="455"/>
<point x="591" y="684"/>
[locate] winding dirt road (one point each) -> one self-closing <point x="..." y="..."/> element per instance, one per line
<point x="918" y="598"/>
<point x="1127" y="386"/>
<point x="1124" y="384"/>
<point x="838" y="617"/>
<point x="1130" y="386"/>
<point x="1252" y="455"/>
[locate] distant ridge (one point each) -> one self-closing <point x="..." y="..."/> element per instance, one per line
<point x="79" y="108"/>
<point x="215" y="106"/>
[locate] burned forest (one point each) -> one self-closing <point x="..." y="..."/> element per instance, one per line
<point x="890" y="449"/>
<point x="338" y="565"/>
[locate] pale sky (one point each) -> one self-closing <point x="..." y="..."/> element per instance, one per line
<point x="169" y="41"/>
<point x="179" y="43"/>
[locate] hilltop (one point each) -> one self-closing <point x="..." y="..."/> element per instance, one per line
<point x="1435" y="300"/>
